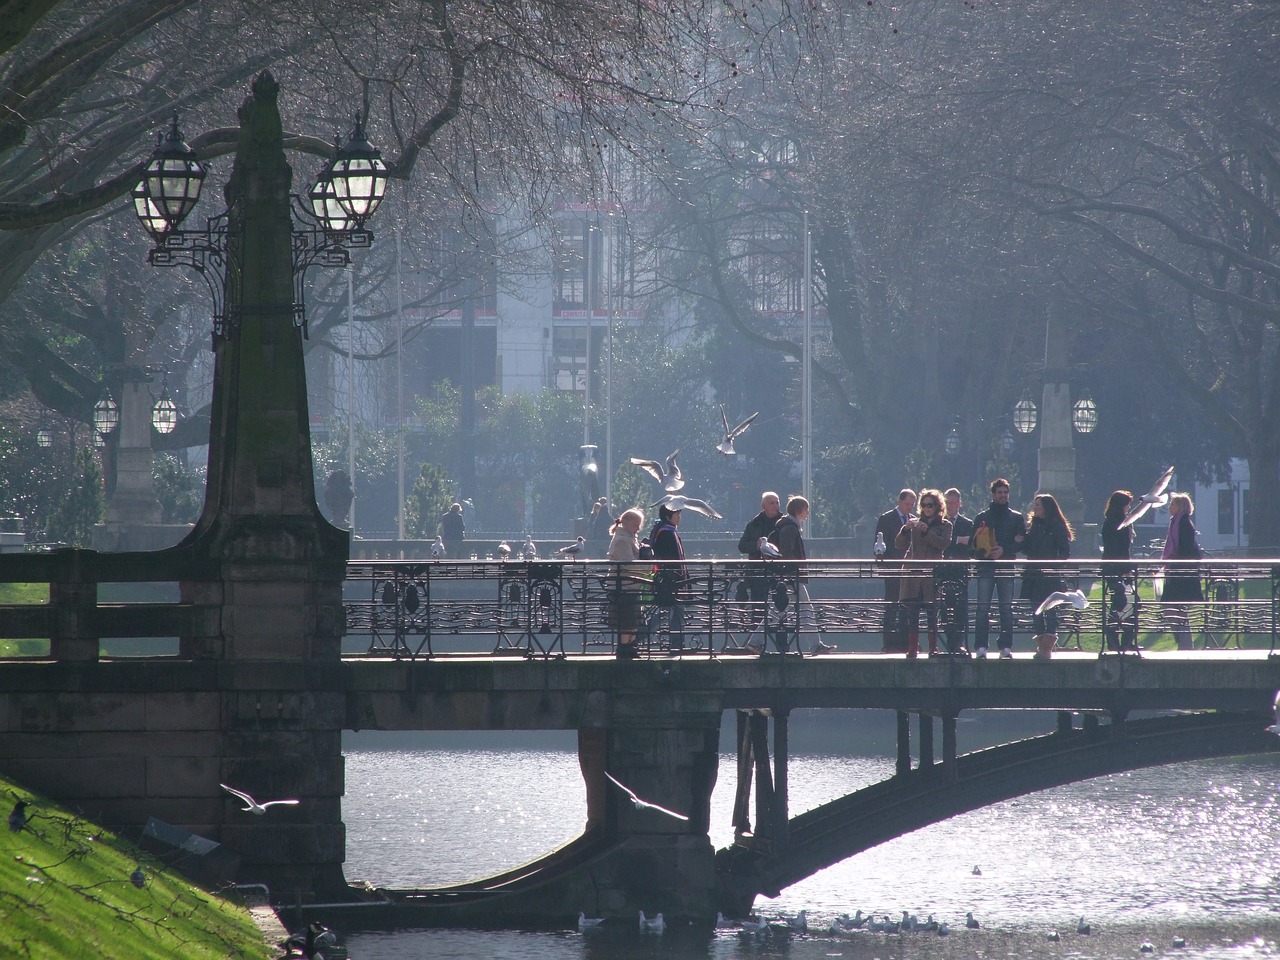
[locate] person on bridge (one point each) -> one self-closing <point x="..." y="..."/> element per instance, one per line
<point x="669" y="578"/>
<point x="887" y="526"/>
<point x="761" y="525"/>
<point x="923" y="538"/>
<point x="1120" y="630"/>
<point x="624" y="550"/>
<point x="453" y="530"/>
<point x="789" y="541"/>
<point x="1181" y="584"/>
<point x="998" y="533"/>
<point x="956" y="623"/>
<point x="1049" y="537"/>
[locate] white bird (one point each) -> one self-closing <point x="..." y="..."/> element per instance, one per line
<point x="675" y="503"/>
<point x="1083" y="928"/>
<point x="573" y="549"/>
<point x="755" y="925"/>
<point x="1275" y="726"/>
<point x="723" y="922"/>
<point x="1147" y="946"/>
<point x="1155" y="497"/>
<point x="766" y="548"/>
<point x="1179" y="942"/>
<point x="252" y="805"/>
<point x="652" y="924"/>
<point x="667" y="474"/>
<point x="800" y="922"/>
<point x="437" y="548"/>
<point x="138" y="878"/>
<point x="1054" y="936"/>
<point x="726" y="445"/>
<point x="588" y="923"/>
<point x="643" y="804"/>
<point x="1076" y="598"/>
<point x="530" y="549"/>
<point x="853" y="923"/>
<point x="504" y="550"/>
<point x="970" y="921"/>
<point x="881" y="547"/>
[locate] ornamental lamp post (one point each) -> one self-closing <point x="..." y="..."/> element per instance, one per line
<point x="1084" y="414"/>
<point x="105" y="416"/>
<point x="1025" y="414"/>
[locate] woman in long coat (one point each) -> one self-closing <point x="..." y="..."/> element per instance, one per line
<point x="1181" y="584"/>
<point x="1049" y="537"/>
<point x="924" y="538"/>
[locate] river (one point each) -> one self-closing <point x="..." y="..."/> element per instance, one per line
<point x="1189" y="851"/>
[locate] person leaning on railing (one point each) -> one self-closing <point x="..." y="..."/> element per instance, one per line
<point x="624" y="610"/>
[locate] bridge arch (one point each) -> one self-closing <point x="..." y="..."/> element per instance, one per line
<point x="851" y="824"/>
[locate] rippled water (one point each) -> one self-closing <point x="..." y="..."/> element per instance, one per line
<point x="1190" y="851"/>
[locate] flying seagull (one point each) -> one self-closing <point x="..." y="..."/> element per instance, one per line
<point x="766" y="548"/>
<point x="667" y="474"/>
<point x="1155" y="497"/>
<point x="726" y="445"/>
<point x="253" y="806"/>
<point x="675" y="502"/>
<point x="573" y="549"/>
<point x="1076" y="598"/>
<point x="643" y="804"/>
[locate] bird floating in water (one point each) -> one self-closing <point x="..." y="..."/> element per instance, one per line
<point x="1083" y="928"/>
<point x="652" y="924"/>
<point x="943" y="929"/>
<point x="504" y="550"/>
<point x="726" y="445"/>
<point x="588" y="923"/>
<point x="1147" y="946"/>
<point x="970" y="921"/>
<point x="18" y="816"/>
<point x="437" y="548"/>
<point x="138" y="878"/>
<point x="754" y="925"/>
<point x="723" y="922"/>
<point x="573" y="549"/>
<point x="666" y="473"/>
<point x="1179" y="942"/>
<point x="676" y="503"/>
<point x="976" y="871"/>
<point x="252" y="805"/>
<point x="1054" y="937"/>
<point x="767" y="549"/>
<point x="1076" y="598"/>
<point x="1155" y="497"/>
<point x="800" y="922"/>
<point x="643" y="804"/>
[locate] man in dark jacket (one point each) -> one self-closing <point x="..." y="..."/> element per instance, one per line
<point x="887" y="527"/>
<point x="998" y="533"/>
<point x="957" y="621"/>
<point x="761" y="525"/>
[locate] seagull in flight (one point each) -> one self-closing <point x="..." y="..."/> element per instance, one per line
<point x="667" y="474"/>
<point x="675" y="502"/>
<point x="1155" y="497"/>
<point x="1076" y="598"/>
<point x="573" y="549"/>
<point x="253" y="806"/>
<point x="766" y="548"/>
<point x="726" y="445"/>
<point x="643" y="804"/>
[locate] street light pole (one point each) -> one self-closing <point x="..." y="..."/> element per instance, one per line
<point x="806" y="376"/>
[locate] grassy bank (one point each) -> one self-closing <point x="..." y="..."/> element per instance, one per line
<point x="65" y="891"/>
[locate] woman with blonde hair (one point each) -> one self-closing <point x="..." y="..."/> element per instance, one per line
<point x="1182" y="582"/>
<point x="922" y="538"/>
<point x="624" y="612"/>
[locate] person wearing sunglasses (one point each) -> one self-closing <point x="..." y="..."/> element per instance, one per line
<point x="922" y="538"/>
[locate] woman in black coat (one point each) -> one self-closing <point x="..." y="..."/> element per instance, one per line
<point x="1181" y="583"/>
<point x="1120" y="629"/>
<point x="1049" y="537"/>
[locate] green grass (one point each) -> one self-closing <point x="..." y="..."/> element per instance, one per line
<point x="24" y="593"/>
<point x="65" y="892"/>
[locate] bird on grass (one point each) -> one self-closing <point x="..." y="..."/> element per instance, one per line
<point x="643" y="804"/>
<point x="588" y="923"/>
<point x="1157" y="496"/>
<point x="18" y="816"/>
<point x="652" y="924"/>
<point x="676" y="503"/>
<point x="573" y="549"/>
<point x="1076" y="598"/>
<point x="138" y="878"/>
<point x="252" y="805"/>
<point x="726" y="445"/>
<point x="667" y="472"/>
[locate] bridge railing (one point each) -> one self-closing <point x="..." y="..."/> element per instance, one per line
<point x="85" y="605"/>
<point x="412" y="609"/>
